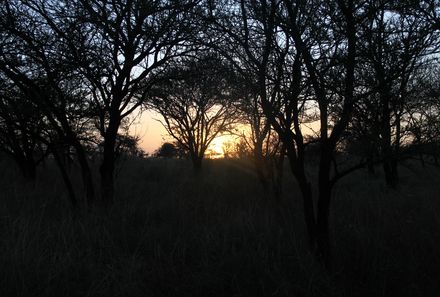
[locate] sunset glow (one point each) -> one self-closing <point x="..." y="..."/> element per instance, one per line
<point x="218" y="145"/>
<point x="152" y="135"/>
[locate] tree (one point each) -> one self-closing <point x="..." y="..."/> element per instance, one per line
<point x="135" y="39"/>
<point x="277" y="56"/>
<point x="330" y="60"/>
<point x="424" y="10"/>
<point x="423" y="107"/>
<point x="262" y="52"/>
<point x="303" y="59"/>
<point x="28" y="137"/>
<point x="196" y="100"/>
<point x="21" y="126"/>
<point x="267" y="152"/>
<point x="393" y="48"/>
<point x="167" y="150"/>
<point x="116" y="47"/>
<point x="31" y="60"/>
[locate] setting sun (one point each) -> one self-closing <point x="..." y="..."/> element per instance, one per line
<point x="218" y="146"/>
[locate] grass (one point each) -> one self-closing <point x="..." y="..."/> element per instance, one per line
<point x="171" y="234"/>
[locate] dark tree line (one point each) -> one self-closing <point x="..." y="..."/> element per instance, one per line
<point x="364" y="73"/>
<point x="87" y="65"/>
<point x="350" y="65"/>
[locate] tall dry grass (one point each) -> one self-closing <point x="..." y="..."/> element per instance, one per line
<point x="172" y="233"/>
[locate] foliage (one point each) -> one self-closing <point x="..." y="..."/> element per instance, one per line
<point x="168" y="150"/>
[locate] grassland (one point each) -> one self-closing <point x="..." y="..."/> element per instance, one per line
<point x="172" y="233"/>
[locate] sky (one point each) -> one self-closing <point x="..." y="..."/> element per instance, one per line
<point x="150" y="131"/>
<point x="152" y="134"/>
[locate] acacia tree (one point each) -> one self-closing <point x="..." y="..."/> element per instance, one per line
<point x="167" y="150"/>
<point x="232" y="29"/>
<point x="21" y="126"/>
<point x="422" y="110"/>
<point x="330" y="60"/>
<point x="196" y="100"/>
<point x="304" y="59"/>
<point x="31" y="60"/>
<point x="136" y="38"/>
<point x="267" y="152"/>
<point x="117" y="46"/>
<point x="393" y="49"/>
<point x="264" y="50"/>
<point x="27" y="137"/>
<point x="333" y="60"/>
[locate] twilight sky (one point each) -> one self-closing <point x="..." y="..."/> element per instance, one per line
<point x="150" y="131"/>
<point x="152" y="134"/>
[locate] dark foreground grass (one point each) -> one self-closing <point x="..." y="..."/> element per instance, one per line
<point x="171" y="233"/>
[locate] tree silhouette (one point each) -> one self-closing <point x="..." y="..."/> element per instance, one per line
<point x="167" y="150"/>
<point x="303" y="58"/>
<point x="115" y="47"/>
<point x="31" y="60"/>
<point x="21" y="127"/>
<point x="393" y="49"/>
<point x="196" y="100"/>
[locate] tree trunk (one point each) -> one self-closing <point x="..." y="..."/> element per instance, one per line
<point x="86" y="173"/>
<point x="66" y="179"/>
<point x="277" y="175"/>
<point x="324" y="199"/>
<point x="297" y="167"/>
<point x="260" y="165"/>
<point x="28" y="168"/>
<point x="107" y="167"/>
<point x="396" y="149"/>
<point x="387" y="150"/>
<point x="197" y="163"/>
<point x="309" y="212"/>
<point x="390" y="170"/>
<point x="370" y="166"/>
<point x="394" y="170"/>
<point x="371" y="152"/>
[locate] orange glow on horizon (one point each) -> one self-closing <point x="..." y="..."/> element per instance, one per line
<point x="152" y="135"/>
<point x="150" y="132"/>
<point x="216" y="149"/>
